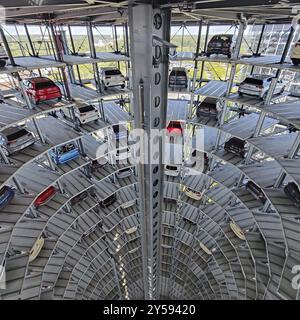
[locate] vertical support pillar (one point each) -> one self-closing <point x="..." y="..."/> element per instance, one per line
<point x="116" y="42"/>
<point x="38" y="130"/>
<point x="29" y="40"/>
<point x="94" y="56"/>
<point x="74" y="52"/>
<point x="7" y="48"/>
<point x="195" y="68"/>
<point x="59" y="57"/>
<point x="149" y="83"/>
<point x="204" y="48"/>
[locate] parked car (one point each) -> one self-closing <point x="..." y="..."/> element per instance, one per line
<point x="256" y="191"/>
<point x="36" y="249"/>
<point x="84" y="113"/>
<point x="65" y="153"/>
<point x="295" y="54"/>
<point x="258" y="85"/>
<point x="178" y="77"/>
<point x="111" y="77"/>
<point x="221" y="44"/>
<point x="175" y="127"/>
<point x="196" y="195"/>
<point x="6" y="195"/>
<point x="237" y="230"/>
<point x="45" y="196"/>
<point x="293" y="193"/>
<point x="205" y="249"/>
<point x="124" y="173"/>
<point x="236" y="146"/>
<point x="15" y="139"/>
<point x="207" y="108"/>
<point x="41" y="89"/>
<point x="80" y="197"/>
<point x="3" y="56"/>
<point x="172" y="170"/>
<point x="108" y="201"/>
<point x="128" y="204"/>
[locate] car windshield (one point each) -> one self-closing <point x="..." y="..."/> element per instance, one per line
<point x="114" y="72"/>
<point x="257" y="82"/>
<point x="17" y="135"/>
<point x="86" y="109"/>
<point x="66" y="148"/>
<point x="174" y="125"/>
<point x="222" y="38"/>
<point x="110" y="198"/>
<point x="178" y="73"/>
<point x="44" y="85"/>
<point x="171" y="168"/>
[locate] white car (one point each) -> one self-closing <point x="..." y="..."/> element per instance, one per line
<point x="121" y="154"/>
<point x="172" y="170"/>
<point x="85" y="113"/>
<point x="111" y="77"/>
<point x="128" y="204"/>
<point x="258" y="85"/>
<point x="3" y="57"/>
<point x="295" y="55"/>
<point x="196" y="195"/>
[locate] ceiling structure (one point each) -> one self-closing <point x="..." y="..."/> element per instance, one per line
<point x="107" y="12"/>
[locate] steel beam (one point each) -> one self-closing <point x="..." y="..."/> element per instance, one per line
<point x="29" y="40"/>
<point x="149" y="84"/>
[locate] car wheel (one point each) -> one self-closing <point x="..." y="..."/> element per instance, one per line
<point x="240" y="94"/>
<point x="208" y="55"/>
<point x="2" y="64"/>
<point x="229" y="55"/>
<point x="59" y="99"/>
<point x="123" y="86"/>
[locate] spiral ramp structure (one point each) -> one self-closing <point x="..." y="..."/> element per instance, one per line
<point x="227" y="245"/>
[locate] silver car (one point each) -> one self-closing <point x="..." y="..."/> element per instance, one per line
<point x="15" y="139"/>
<point x="124" y="173"/>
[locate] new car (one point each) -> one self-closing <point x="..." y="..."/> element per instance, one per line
<point x="108" y="201"/>
<point x="6" y="195"/>
<point x="196" y="195"/>
<point x="128" y="204"/>
<point x="15" y="139"/>
<point x="172" y="170"/>
<point x="175" y="127"/>
<point x="236" y="146"/>
<point x="293" y="193"/>
<point x="36" y="249"/>
<point x="207" y="108"/>
<point x="256" y="191"/>
<point x="258" y="86"/>
<point x="65" y="153"/>
<point x="178" y="77"/>
<point x="84" y="113"/>
<point x="80" y="197"/>
<point x="295" y="55"/>
<point x="3" y="57"/>
<point x="237" y="230"/>
<point x="124" y="173"/>
<point x="221" y="44"/>
<point x="111" y="77"/>
<point x="45" y="196"/>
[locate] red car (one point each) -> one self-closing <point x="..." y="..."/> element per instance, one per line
<point x="41" y="89"/>
<point x="45" y="196"/>
<point x="175" y="127"/>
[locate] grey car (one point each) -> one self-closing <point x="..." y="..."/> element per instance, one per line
<point x="15" y="139"/>
<point x="124" y="173"/>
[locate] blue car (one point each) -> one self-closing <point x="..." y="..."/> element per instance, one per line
<point x="6" y="195"/>
<point x="65" y="153"/>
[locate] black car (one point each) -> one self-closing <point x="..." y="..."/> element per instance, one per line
<point x="256" y="191"/>
<point x="207" y="108"/>
<point x="293" y="193"/>
<point x="108" y="201"/>
<point x="221" y="44"/>
<point x="80" y="197"/>
<point x="178" y="77"/>
<point x="236" y="146"/>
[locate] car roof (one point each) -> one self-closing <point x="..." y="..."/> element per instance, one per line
<point x="260" y="76"/>
<point x="179" y="68"/>
<point x="223" y="35"/>
<point x="39" y="79"/>
<point x="12" y="130"/>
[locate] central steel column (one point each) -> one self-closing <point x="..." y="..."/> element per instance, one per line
<point x="150" y="78"/>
